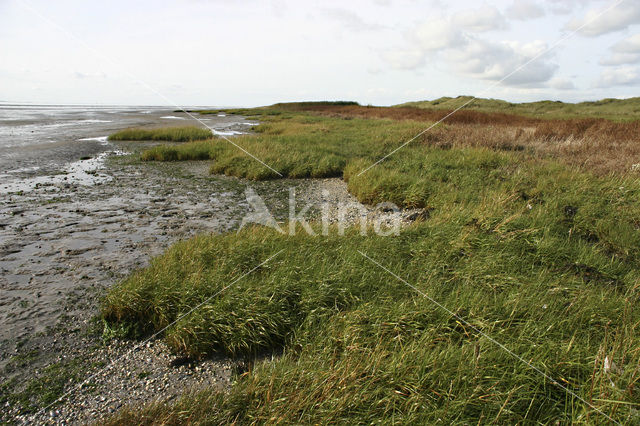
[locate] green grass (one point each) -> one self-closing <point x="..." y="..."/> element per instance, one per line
<point x="295" y="144"/>
<point x="615" y="109"/>
<point x="172" y="134"/>
<point x="543" y="258"/>
<point x="273" y="109"/>
<point x="45" y="388"/>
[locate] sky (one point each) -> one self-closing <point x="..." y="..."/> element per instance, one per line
<point x="379" y="52"/>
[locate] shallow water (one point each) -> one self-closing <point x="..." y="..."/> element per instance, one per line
<point x="49" y="145"/>
<point x="44" y="140"/>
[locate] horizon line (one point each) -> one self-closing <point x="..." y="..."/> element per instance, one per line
<point x="61" y="104"/>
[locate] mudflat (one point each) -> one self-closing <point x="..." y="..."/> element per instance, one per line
<point x="76" y="215"/>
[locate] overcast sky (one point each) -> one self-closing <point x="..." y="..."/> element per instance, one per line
<point x="216" y="52"/>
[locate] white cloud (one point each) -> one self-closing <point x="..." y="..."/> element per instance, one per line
<point x="351" y="20"/>
<point x="620" y="59"/>
<point x="628" y="45"/>
<point x="467" y="54"/>
<point x="524" y="10"/>
<point x="508" y="62"/>
<point x="426" y="39"/>
<point x="561" y="84"/>
<point x="596" y="23"/>
<point x="484" y="18"/>
<point x="626" y="51"/>
<point x="437" y="35"/>
<point x="622" y="76"/>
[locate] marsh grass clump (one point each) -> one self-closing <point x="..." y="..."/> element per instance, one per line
<point x="543" y="258"/>
<point x="169" y="134"/>
<point x="184" y="152"/>
<point x="298" y="145"/>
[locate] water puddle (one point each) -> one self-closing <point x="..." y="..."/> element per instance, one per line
<point x="83" y="172"/>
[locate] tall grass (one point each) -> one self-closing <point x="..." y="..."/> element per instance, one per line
<point x="522" y="242"/>
<point x="171" y="134"/>
<point x="297" y="145"/>
<point x="326" y="139"/>
<point x="543" y="258"/>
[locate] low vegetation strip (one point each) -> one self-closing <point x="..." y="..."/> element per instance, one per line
<point x="541" y="257"/>
<point x="558" y="129"/>
<point x="614" y="109"/>
<point x="318" y="140"/>
<point x="171" y="134"/>
<point x="298" y="145"/>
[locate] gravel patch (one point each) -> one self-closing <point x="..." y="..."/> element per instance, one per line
<point x="132" y="376"/>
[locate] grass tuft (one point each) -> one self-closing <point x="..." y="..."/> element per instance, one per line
<point x="171" y="134"/>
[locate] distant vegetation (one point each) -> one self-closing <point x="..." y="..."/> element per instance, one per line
<point x="170" y="134"/>
<point x="297" y="145"/>
<point x="274" y="108"/>
<point x="293" y="105"/>
<point x="613" y="109"/>
<point x="319" y="140"/>
<point x="533" y="238"/>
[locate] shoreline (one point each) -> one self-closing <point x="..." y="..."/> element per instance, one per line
<point x="65" y="249"/>
<point x="78" y="240"/>
<point x="68" y="235"/>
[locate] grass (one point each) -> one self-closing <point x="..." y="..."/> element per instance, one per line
<point x="533" y="238"/>
<point x="171" y="134"/>
<point x="319" y="140"/>
<point x="614" y="109"/>
<point x="542" y="257"/>
<point x="45" y="388"/>
<point x="298" y="145"/>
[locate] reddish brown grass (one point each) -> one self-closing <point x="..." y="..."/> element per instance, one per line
<point x="600" y="145"/>
<point x="418" y="114"/>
